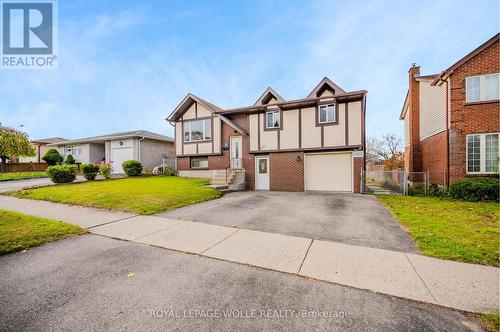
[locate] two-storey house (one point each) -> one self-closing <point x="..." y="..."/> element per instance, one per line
<point x="451" y="119"/>
<point x="314" y="143"/>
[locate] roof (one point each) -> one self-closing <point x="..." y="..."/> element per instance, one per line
<point x="269" y="91"/>
<point x="122" y="135"/>
<point x="186" y="103"/>
<point x="49" y="140"/>
<point x="405" y="106"/>
<point x="328" y="82"/>
<point x="444" y="74"/>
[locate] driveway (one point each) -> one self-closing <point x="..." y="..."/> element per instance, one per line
<point x="346" y="218"/>
<point x="83" y="283"/>
<point x="21" y="184"/>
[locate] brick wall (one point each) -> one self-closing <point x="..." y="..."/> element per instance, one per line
<point x="433" y="153"/>
<point x="182" y="163"/>
<point x="358" y="167"/>
<point x="286" y="172"/>
<point x="470" y="118"/>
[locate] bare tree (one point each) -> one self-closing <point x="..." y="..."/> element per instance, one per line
<point x="384" y="148"/>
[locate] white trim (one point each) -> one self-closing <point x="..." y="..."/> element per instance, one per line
<point x="334" y="113"/>
<point x="482" y="87"/>
<point x="482" y="153"/>
<point x="274" y="119"/>
<point x="204" y="131"/>
<point x="257" y="171"/>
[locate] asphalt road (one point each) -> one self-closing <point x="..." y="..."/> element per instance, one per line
<point x="84" y="283"/>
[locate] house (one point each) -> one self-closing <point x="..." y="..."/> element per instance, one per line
<point x="149" y="148"/>
<point x="41" y="146"/>
<point x="314" y="143"/>
<point x="451" y="119"/>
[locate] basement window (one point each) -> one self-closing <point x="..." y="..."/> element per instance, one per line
<point x="199" y="162"/>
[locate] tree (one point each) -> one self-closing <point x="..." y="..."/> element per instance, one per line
<point x="387" y="149"/>
<point x="14" y="144"/>
<point x="52" y="157"/>
<point x="69" y="160"/>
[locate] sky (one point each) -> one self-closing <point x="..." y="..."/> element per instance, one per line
<point x="125" y="65"/>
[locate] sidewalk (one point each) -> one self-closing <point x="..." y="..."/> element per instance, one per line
<point x="456" y="285"/>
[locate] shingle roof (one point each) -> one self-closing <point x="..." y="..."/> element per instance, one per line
<point x="125" y="134"/>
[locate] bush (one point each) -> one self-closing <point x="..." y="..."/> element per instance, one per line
<point x="52" y="157"/>
<point x="437" y="190"/>
<point x="132" y="167"/>
<point x="62" y="174"/>
<point x="69" y="160"/>
<point x="106" y="170"/>
<point x="475" y="189"/>
<point x="167" y="171"/>
<point x="90" y="171"/>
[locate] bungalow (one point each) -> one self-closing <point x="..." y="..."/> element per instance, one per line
<point x="314" y="143"/>
<point x="149" y="148"/>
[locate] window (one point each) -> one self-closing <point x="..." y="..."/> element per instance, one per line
<point x="480" y="88"/>
<point x="199" y="130"/>
<point x="74" y="151"/>
<point x="327" y="113"/>
<point x="273" y="119"/>
<point x="199" y="162"/>
<point x="482" y="153"/>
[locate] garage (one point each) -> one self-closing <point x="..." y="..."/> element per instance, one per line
<point x="121" y="151"/>
<point x="328" y="172"/>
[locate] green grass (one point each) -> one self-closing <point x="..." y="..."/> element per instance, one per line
<point x="21" y="175"/>
<point x="490" y="322"/>
<point x="450" y="229"/>
<point x="19" y="231"/>
<point x="142" y="195"/>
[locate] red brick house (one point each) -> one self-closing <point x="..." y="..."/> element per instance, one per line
<point x="314" y="143"/>
<point x="451" y="119"/>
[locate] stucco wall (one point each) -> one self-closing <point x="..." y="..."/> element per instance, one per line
<point x="152" y="152"/>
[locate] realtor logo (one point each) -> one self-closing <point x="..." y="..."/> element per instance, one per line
<point x="28" y="34"/>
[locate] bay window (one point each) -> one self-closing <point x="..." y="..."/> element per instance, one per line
<point x="482" y="153"/>
<point x="198" y="130"/>
<point x="482" y="88"/>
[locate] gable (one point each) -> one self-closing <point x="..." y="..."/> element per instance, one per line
<point x="325" y="88"/>
<point x="192" y="107"/>
<point x="269" y="96"/>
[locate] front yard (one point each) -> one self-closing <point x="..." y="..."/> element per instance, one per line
<point x="19" y="231"/>
<point x="450" y="229"/>
<point x="142" y="195"/>
<point x="21" y="175"/>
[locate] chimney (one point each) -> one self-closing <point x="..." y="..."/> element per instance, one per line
<point x="414" y="103"/>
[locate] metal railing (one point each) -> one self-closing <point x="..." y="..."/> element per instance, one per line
<point x="233" y="164"/>
<point x="396" y="182"/>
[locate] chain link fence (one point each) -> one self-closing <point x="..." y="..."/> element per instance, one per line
<point x="399" y="182"/>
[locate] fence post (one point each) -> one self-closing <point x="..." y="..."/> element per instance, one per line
<point x="427" y="183"/>
<point x="405" y="183"/>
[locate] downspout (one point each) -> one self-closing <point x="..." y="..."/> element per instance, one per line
<point x="139" y="148"/>
<point x="447" y="137"/>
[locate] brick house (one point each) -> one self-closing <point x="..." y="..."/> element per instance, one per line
<point x="451" y="119"/>
<point x="314" y="143"/>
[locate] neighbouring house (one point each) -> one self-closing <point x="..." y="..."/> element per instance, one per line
<point x="41" y="146"/>
<point x="451" y="119"/>
<point x="314" y="143"/>
<point x="149" y="148"/>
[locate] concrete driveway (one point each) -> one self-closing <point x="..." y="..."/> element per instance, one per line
<point x="83" y="283"/>
<point x="21" y="184"/>
<point x="347" y="218"/>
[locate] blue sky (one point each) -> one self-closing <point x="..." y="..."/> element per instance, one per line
<point x="124" y="65"/>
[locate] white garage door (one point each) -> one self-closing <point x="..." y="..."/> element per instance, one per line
<point x="329" y="172"/>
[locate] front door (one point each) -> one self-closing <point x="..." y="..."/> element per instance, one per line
<point x="262" y="173"/>
<point x="235" y="152"/>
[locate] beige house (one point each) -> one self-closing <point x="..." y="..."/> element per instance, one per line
<point x="41" y="146"/>
<point x="149" y="148"/>
<point x="314" y="143"/>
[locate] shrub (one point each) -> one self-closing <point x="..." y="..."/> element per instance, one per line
<point x="106" y="170"/>
<point x="132" y="167"/>
<point x="90" y="171"/>
<point x="69" y="160"/>
<point x="167" y="171"/>
<point x="52" y="157"/>
<point x="437" y="190"/>
<point x="475" y="189"/>
<point x="62" y="173"/>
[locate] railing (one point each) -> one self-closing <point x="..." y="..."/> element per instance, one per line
<point x="233" y="164"/>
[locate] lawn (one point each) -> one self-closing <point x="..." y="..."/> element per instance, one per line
<point x="490" y="322"/>
<point x="19" y="231"/>
<point x="21" y="175"/>
<point x="142" y="195"/>
<point x="450" y="229"/>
